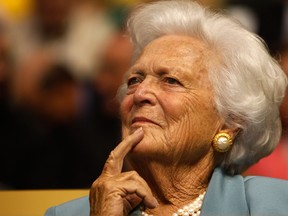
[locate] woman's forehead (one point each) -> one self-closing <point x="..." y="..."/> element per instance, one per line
<point x="175" y="52"/>
<point x="185" y="45"/>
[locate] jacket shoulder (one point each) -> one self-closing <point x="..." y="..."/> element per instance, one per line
<point x="266" y="195"/>
<point x="77" y="207"/>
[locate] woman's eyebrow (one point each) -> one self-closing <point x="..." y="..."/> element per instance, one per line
<point x="138" y="72"/>
<point x="133" y="71"/>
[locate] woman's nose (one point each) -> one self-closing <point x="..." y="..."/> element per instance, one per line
<point x="146" y="93"/>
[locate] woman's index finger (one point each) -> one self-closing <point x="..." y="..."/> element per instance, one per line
<point x="114" y="162"/>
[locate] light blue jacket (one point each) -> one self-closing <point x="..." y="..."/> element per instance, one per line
<point x="225" y="196"/>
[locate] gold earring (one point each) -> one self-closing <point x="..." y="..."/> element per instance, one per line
<point x="222" y="142"/>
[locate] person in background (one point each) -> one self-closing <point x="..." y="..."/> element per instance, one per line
<point x="101" y="113"/>
<point x="74" y="32"/>
<point x="5" y="61"/>
<point x="6" y="68"/>
<point x="54" y="52"/>
<point x="41" y="123"/>
<point x="116" y="60"/>
<point x="196" y="112"/>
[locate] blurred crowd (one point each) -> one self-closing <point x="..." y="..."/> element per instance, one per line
<point x="60" y="68"/>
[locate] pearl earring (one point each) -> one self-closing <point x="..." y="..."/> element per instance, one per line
<point x="222" y="142"/>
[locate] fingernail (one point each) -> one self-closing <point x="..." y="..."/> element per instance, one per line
<point x="139" y="130"/>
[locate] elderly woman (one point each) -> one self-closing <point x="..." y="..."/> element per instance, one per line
<point x="199" y="106"/>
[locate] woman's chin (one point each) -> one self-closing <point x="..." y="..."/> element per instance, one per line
<point x="144" y="147"/>
<point x="140" y="147"/>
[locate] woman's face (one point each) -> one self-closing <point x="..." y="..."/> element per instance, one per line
<point x="170" y="97"/>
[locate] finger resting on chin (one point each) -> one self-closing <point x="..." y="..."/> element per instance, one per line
<point x="114" y="163"/>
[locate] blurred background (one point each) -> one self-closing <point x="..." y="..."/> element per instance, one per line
<point x="61" y="63"/>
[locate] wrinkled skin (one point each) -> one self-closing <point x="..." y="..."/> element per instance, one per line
<point x="169" y="103"/>
<point x="169" y="87"/>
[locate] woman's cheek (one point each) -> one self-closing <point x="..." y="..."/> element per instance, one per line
<point x="126" y="104"/>
<point x="125" y="132"/>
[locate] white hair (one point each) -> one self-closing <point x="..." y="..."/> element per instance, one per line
<point x="249" y="85"/>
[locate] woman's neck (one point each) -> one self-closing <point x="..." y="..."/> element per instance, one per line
<point x="175" y="186"/>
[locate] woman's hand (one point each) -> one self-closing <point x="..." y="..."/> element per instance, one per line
<point x="115" y="193"/>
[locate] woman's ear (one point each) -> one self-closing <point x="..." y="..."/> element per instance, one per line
<point x="231" y="131"/>
<point x="223" y="140"/>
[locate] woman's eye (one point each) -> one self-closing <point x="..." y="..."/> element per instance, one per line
<point x="133" y="81"/>
<point x="172" y="81"/>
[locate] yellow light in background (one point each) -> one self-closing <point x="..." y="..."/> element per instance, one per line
<point x="16" y="9"/>
<point x="124" y="2"/>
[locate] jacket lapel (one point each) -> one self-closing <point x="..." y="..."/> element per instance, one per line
<point x="225" y="196"/>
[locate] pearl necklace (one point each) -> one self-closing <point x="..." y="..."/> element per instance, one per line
<point x="192" y="209"/>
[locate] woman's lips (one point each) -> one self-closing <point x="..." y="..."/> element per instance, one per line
<point x="142" y="120"/>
